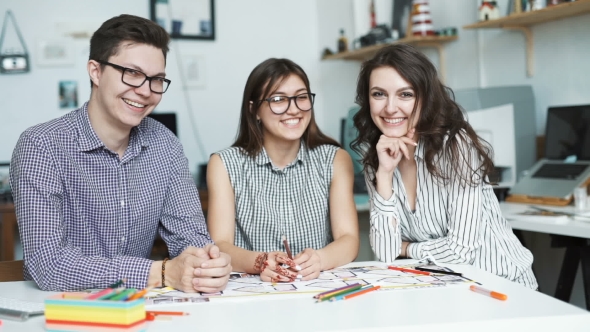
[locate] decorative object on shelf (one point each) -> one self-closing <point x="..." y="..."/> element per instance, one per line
<point x="535" y="4"/>
<point x="451" y="31"/>
<point x="421" y="19"/>
<point x="13" y="61"/>
<point x="402" y="10"/>
<point x="378" y="35"/>
<point x="342" y="42"/>
<point x="489" y="11"/>
<point x="373" y="17"/>
<point x="185" y="19"/>
<point x="554" y="2"/>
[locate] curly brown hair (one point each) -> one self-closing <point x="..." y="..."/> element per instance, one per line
<point x="442" y="125"/>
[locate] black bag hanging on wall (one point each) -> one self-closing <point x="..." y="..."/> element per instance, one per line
<point x="11" y="61"/>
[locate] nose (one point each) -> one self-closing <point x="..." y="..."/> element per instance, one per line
<point x="293" y="109"/>
<point x="390" y="106"/>
<point x="144" y="89"/>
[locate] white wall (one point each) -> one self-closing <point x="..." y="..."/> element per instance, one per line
<point x="247" y="32"/>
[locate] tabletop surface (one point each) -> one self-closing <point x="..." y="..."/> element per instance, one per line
<point x="569" y="227"/>
<point x="449" y="308"/>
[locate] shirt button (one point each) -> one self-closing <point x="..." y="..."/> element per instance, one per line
<point x="123" y="239"/>
<point x="122" y="203"/>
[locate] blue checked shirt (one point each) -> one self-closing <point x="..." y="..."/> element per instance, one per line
<point x="88" y="218"/>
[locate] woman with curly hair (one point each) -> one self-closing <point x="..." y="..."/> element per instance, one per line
<point x="427" y="171"/>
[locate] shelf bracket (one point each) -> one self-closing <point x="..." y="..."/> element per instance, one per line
<point x="441" y="58"/>
<point x="528" y="35"/>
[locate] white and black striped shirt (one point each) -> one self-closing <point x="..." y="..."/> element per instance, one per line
<point x="454" y="223"/>
<point x="270" y="202"/>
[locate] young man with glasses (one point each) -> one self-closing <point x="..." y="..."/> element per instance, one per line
<point x="283" y="185"/>
<point x="92" y="188"/>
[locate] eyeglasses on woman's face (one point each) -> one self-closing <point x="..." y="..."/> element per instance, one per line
<point x="280" y="104"/>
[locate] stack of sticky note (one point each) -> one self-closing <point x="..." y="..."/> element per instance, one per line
<point x="76" y="312"/>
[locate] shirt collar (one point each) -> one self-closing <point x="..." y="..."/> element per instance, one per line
<point x="262" y="158"/>
<point x="88" y="140"/>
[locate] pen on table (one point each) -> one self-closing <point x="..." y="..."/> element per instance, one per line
<point x="481" y="290"/>
<point x="403" y="269"/>
<point x="287" y="248"/>
<point x="168" y="313"/>
<point x="439" y="271"/>
<point x="355" y="293"/>
<point x="334" y="290"/>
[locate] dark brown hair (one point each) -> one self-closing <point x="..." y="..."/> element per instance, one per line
<point x="105" y="41"/>
<point x="441" y="125"/>
<point x="263" y="81"/>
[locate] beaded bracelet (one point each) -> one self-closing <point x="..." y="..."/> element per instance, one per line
<point x="164" y="270"/>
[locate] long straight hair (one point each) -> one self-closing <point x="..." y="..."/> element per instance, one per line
<point x="263" y="81"/>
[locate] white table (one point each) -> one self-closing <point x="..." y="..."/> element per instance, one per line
<point x="452" y="308"/>
<point x="572" y="227"/>
<point x="573" y="234"/>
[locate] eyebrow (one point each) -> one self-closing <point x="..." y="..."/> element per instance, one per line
<point x="398" y="90"/>
<point x="132" y="66"/>
<point x="283" y="93"/>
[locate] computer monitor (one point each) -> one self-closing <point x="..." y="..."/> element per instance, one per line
<point x="568" y="135"/>
<point x="167" y="119"/>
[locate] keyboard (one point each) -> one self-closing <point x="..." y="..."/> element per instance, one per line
<point x="19" y="310"/>
<point x="560" y="171"/>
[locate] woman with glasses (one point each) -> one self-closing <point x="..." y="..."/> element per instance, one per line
<point x="280" y="198"/>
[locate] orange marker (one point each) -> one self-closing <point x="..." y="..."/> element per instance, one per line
<point x="481" y="290"/>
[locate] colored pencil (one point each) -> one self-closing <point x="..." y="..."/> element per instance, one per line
<point x="345" y="291"/>
<point x="102" y="293"/>
<point x="124" y="295"/>
<point x="403" y="269"/>
<point x="169" y="313"/>
<point x="287" y="248"/>
<point x="334" y="290"/>
<point x="364" y="291"/>
<point x="439" y="271"/>
<point x="139" y="294"/>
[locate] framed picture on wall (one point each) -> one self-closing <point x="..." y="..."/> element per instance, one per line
<point x="185" y="19"/>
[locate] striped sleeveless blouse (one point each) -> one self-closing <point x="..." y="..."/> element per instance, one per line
<point x="271" y="202"/>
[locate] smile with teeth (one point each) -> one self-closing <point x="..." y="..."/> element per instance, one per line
<point x="394" y="121"/>
<point x="132" y="103"/>
<point x="290" y="121"/>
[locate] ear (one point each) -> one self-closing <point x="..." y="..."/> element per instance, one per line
<point x="94" y="71"/>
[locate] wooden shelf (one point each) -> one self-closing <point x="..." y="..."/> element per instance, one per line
<point x="364" y="53"/>
<point x="527" y="19"/>
<point x="523" y="22"/>
<point x="367" y="52"/>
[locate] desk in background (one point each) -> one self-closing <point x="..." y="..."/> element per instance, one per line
<point x="8" y="229"/>
<point x="452" y="308"/>
<point x="573" y="235"/>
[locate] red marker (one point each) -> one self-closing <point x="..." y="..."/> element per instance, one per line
<point x="402" y="269"/>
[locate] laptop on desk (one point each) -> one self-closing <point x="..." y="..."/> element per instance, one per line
<point x="567" y="155"/>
